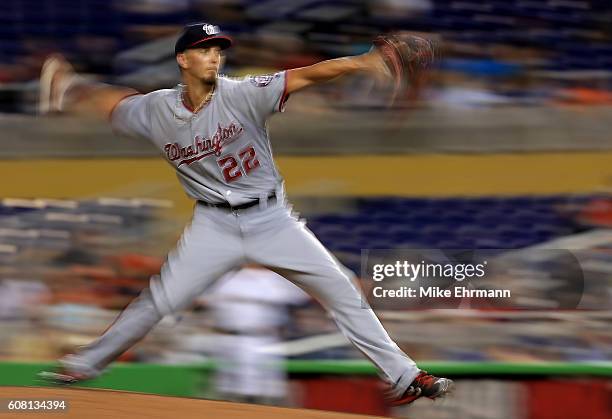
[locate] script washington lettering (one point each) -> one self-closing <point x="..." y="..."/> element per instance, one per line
<point x="203" y="147"/>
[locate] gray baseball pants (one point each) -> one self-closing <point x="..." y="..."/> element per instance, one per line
<point x="218" y="241"/>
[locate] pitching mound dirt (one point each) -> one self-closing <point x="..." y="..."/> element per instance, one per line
<point x="98" y="404"/>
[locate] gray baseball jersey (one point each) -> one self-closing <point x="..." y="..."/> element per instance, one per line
<point x="222" y="153"/>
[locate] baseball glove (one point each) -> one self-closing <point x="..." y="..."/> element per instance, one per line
<point x="406" y="58"/>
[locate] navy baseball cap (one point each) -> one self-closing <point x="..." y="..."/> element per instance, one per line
<point x="197" y="35"/>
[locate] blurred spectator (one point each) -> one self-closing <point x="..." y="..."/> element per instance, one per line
<point x="597" y="212"/>
<point x="250" y="310"/>
<point x="17" y="296"/>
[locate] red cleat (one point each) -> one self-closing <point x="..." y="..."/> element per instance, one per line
<point x="425" y="385"/>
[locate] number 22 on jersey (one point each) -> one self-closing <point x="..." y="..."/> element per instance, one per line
<point x="233" y="168"/>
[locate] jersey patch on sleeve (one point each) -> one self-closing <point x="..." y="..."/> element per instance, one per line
<point x="263" y="80"/>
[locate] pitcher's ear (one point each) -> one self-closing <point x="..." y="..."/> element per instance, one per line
<point x="181" y="60"/>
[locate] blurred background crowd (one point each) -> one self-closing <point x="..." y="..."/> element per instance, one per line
<point x="493" y="53"/>
<point x="69" y="266"/>
<point x="524" y="87"/>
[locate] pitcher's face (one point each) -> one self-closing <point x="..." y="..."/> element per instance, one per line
<point x="201" y="63"/>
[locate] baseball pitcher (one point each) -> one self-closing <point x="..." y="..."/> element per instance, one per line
<point x="212" y="130"/>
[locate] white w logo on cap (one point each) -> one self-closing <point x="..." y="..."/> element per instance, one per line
<point x="210" y="29"/>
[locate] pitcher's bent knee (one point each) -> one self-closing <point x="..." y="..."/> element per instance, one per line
<point x="160" y="299"/>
